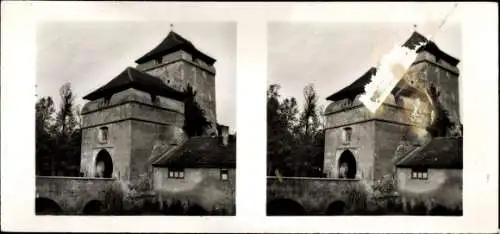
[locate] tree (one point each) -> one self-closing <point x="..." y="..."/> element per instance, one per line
<point x="66" y="119"/>
<point x="293" y="147"/>
<point x="44" y="132"/>
<point x="195" y="121"/>
<point x="310" y="122"/>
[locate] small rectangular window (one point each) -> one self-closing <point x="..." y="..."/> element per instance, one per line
<point x="347" y="135"/>
<point x="224" y="174"/>
<point x="176" y="173"/>
<point x="419" y="174"/>
<point x="103" y="134"/>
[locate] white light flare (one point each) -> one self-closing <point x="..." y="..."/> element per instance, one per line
<point x="390" y="70"/>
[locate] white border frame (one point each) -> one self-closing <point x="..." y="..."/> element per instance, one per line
<point x="480" y="42"/>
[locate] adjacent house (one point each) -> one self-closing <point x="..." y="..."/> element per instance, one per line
<point x="200" y="172"/>
<point x="430" y="176"/>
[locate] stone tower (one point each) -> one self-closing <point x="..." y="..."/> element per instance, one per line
<point x="360" y="144"/>
<point x="123" y="120"/>
<point x="178" y="63"/>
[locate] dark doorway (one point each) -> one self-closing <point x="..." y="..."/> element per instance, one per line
<point x="104" y="164"/>
<point x="284" y="207"/>
<point x="196" y="210"/>
<point x="94" y="207"/>
<point x="347" y="165"/>
<point x="336" y="208"/>
<point x="44" y="206"/>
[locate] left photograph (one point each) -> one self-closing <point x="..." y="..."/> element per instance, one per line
<point x="135" y="118"/>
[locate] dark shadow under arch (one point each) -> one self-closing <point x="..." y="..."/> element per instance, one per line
<point x="46" y="206"/>
<point x="347" y="165"/>
<point x="93" y="207"/>
<point x="104" y="158"/>
<point x="283" y="206"/>
<point x="336" y="208"/>
<point x="196" y="210"/>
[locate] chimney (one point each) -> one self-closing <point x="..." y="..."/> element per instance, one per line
<point x="224" y="132"/>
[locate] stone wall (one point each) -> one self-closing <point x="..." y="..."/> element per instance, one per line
<point x="179" y="69"/>
<point x="135" y="121"/>
<point x="313" y="194"/>
<point x="201" y="186"/>
<point x="72" y="193"/>
<point x="361" y="145"/>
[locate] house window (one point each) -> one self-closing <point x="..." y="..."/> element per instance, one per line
<point x="103" y="134"/>
<point x="419" y="174"/>
<point x="347" y="135"/>
<point x="176" y="173"/>
<point x="224" y="174"/>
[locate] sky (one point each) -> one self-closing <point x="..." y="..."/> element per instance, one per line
<point x="90" y="54"/>
<point x="333" y="55"/>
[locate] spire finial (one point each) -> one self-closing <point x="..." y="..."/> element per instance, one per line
<point x="415" y="27"/>
<point x="171" y="27"/>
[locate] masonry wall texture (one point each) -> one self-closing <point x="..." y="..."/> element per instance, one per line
<point x="361" y="146"/>
<point x="72" y="193"/>
<point x="201" y="186"/>
<point x="129" y="115"/>
<point x="443" y="186"/>
<point x="313" y="194"/>
<point x="179" y="69"/>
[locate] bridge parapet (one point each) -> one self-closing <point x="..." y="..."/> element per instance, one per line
<point x="71" y="194"/>
<point x="315" y="195"/>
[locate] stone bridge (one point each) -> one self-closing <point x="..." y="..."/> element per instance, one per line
<point x="311" y="196"/>
<point x="70" y="195"/>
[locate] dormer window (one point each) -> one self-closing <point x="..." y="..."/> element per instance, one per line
<point x="103" y="135"/>
<point x="347" y="134"/>
<point x="158" y="61"/>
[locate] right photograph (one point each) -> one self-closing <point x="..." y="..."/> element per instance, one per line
<point x="364" y="119"/>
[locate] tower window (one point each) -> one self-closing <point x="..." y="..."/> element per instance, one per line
<point x="176" y="173"/>
<point x="419" y="174"/>
<point x="347" y="134"/>
<point x="103" y="134"/>
<point x="224" y="174"/>
<point x="158" y="60"/>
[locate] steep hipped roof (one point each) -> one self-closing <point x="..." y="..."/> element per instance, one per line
<point x="201" y="152"/>
<point x="416" y="38"/>
<point x="356" y="87"/>
<point x="431" y="47"/>
<point x="174" y="42"/>
<point x="441" y="152"/>
<point x="133" y="78"/>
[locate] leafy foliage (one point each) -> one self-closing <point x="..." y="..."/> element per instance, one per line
<point x="295" y="139"/>
<point x="58" y="135"/>
<point x="195" y="121"/>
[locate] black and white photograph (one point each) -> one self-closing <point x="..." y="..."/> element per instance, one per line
<point x="135" y="118"/>
<point x="364" y="119"/>
<point x="254" y="117"/>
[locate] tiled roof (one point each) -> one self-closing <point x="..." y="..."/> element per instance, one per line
<point x="174" y="42"/>
<point x="441" y="152"/>
<point x="356" y="87"/>
<point x="201" y="152"/>
<point x="133" y="78"/>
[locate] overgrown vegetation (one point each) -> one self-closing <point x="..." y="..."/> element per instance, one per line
<point x="195" y="122"/>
